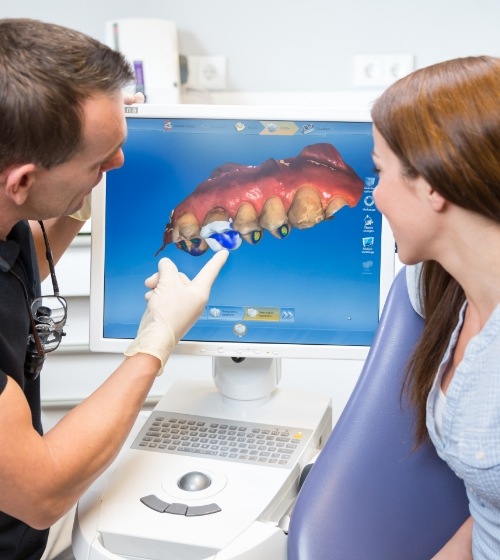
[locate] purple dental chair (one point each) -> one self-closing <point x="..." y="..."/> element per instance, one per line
<point x="370" y="496"/>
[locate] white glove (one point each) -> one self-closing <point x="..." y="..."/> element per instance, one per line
<point x="174" y="304"/>
<point x="84" y="213"/>
<point x="131" y="98"/>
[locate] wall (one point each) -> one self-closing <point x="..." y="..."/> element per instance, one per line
<point x="292" y="45"/>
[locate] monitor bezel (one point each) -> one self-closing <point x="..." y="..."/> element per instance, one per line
<point x="229" y="349"/>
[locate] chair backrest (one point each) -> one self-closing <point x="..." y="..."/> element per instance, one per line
<point x="370" y="495"/>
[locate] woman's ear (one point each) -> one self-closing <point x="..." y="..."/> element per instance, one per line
<point x="18" y="180"/>
<point x="438" y="202"/>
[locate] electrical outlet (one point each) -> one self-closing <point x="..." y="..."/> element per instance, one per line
<point x="207" y="72"/>
<point x="397" y="66"/>
<point x="378" y="71"/>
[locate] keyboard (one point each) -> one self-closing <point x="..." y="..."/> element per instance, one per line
<point x="222" y="439"/>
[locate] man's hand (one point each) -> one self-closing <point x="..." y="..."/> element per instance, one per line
<point x="174" y="304"/>
<point x="130" y="98"/>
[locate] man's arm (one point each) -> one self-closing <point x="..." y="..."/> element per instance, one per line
<point x="42" y="477"/>
<point x="61" y="232"/>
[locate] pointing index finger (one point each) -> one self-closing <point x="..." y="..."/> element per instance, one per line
<point x="210" y="271"/>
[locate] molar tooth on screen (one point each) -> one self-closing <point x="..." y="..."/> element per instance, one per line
<point x="238" y="202"/>
<point x="220" y="234"/>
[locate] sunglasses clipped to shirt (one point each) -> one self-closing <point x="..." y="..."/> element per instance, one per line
<point x="47" y="317"/>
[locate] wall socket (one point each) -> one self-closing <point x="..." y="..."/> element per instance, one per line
<point x="380" y="71"/>
<point x="206" y="72"/>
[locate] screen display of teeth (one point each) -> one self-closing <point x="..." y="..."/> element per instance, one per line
<point x="292" y="199"/>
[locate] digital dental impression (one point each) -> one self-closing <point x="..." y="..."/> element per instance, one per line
<point x="238" y="202"/>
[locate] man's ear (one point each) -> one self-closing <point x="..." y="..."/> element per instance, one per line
<point x="18" y="180"/>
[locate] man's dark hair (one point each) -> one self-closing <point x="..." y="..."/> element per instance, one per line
<point x="46" y="73"/>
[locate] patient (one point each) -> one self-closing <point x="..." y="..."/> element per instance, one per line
<point x="437" y="139"/>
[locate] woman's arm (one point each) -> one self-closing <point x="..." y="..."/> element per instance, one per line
<point x="459" y="547"/>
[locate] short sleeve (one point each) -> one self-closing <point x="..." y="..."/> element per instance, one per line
<point x="413" y="272"/>
<point x="3" y="381"/>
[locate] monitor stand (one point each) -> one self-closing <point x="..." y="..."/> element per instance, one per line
<point x="240" y="380"/>
<point x="246" y="506"/>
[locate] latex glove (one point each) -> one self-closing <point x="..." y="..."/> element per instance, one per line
<point x="84" y="213"/>
<point x="130" y="98"/>
<point x="174" y="304"/>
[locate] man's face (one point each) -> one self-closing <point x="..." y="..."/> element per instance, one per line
<point x="60" y="190"/>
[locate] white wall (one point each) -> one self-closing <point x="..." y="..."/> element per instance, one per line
<point x="293" y="45"/>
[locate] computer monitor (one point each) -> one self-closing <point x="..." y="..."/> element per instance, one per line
<point x="290" y="190"/>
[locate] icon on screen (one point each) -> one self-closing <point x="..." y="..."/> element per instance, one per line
<point x="368" y="242"/>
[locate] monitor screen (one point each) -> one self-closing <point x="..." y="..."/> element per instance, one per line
<point x="288" y="190"/>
